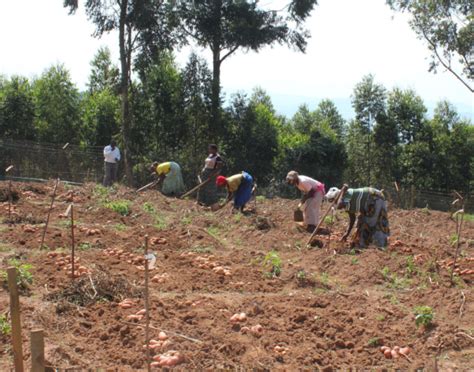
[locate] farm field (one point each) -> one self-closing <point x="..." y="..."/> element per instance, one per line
<point x="328" y="307"/>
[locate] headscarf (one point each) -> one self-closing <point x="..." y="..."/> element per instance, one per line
<point x="333" y="193"/>
<point x="221" y="181"/>
<point x="292" y="176"/>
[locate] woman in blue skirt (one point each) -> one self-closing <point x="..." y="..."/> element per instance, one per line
<point x="239" y="188"/>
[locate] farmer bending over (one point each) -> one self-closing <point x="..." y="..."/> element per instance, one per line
<point x="239" y="188"/>
<point x="170" y="177"/>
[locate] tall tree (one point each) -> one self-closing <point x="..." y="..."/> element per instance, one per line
<point x="17" y="109"/>
<point x="448" y="28"/>
<point x="104" y="74"/>
<point x="57" y="104"/>
<point x="133" y="19"/>
<point x="408" y="111"/>
<point x="326" y="114"/>
<point x="369" y="103"/>
<point x="224" y="26"/>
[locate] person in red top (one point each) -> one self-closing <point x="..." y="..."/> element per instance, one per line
<point x="312" y="197"/>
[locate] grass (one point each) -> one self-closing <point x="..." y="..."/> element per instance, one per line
<point x="161" y="222"/>
<point x="394" y="281"/>
<point x="424" y="315"/>
<point x="120" y="227"/>
<point x="410" y="266"/>
<point x="201" y="250"/>
<point x="186" y="220"/>
<point x="301" y="275"/>
<point x="237" y="217"/>
<point x="5" y="327"/>
<point x="324" y="278"/>
<point x="373" y="342"/>
<point x="122" y="207"/>
<point x="84" y="246"/>
<point x="469" y="217"/>
<point x="272" y="264"/>
<point x="260" y="198"/>
<point x="24" y="277"/>
<point x="354" y="261"/>
<point x="149" y="208"/>
<point x="213" y="231"/>
<point x="380" y="317"/>
<point x="5" y="247"/>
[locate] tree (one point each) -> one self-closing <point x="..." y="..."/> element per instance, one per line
<point x="131" y="18"/>
<point x="408" y="111"/>
<point x="448" y="28"/>
<point x="104" y="75"/>
<point x="251" y="138"/>
<point x="369" y="103"/>
<point x="303" y="120"/>
<point x="326" y="114"/>
<point x="224" y="26"/>
<point x="446" y="115"/>
<point x="100" y="117"/>
<point x="57" y="104"/>
<point x="17" y="109"/>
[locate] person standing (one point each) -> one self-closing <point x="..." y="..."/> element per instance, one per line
<point x="170" y="177"/>
<point x="239" y="188"/>
<point x="312" y="197"/>
<point x="212" y="168"/>
<point x="111" y="159"/>
<point x="372" y="219"/>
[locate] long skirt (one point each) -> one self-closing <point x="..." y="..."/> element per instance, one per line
<point x="374" y="227"/>
<point x="208" y="193"/>
<point x="244" y="192"/>
<point x="311" y="209"/>
<point x="173" y="184"/>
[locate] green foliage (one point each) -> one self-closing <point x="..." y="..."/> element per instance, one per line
<point x="424" y="315"/>
<point x="85" y="246"/>
<point x="380" y="317"/>
<point x="149" y="208"/>
<point x="5" y="327"/>
<point x="272" y="264"/>
<point x="410" y="268"/>
<point x="57" y="106"/>
<point x="373" y="342"/>
<point x="24" y="278"/>
<point x="446" y="27"/>
<point x="17" y="109"/>
<point x="122" y="207"/>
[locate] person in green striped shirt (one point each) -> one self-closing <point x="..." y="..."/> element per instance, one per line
<point x="372" y="219"/>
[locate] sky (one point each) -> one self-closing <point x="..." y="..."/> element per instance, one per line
<point x="349" y="40"/>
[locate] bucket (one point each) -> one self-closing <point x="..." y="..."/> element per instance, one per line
<point x="298" y="215"/>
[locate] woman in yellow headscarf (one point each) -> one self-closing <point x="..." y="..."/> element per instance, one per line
<point x="170" y="177"/>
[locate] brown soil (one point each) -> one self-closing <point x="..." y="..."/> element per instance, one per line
<point x="330" y="308"/>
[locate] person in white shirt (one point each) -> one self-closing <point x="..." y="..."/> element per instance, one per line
<point x="111" y="159"/>
<point x="313" y="192"/>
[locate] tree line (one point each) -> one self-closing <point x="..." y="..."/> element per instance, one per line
<point x="391" y="137"/>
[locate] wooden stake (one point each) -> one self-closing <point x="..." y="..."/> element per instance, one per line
<point x="72" y="242"/>
<point x="37" y="350"/>
<point x="9" y="200"/>
<point x="15" y="318"/>
<point x="49" y="212"/>
<point x="334" y="203"/>
<point x="147" y="309"/>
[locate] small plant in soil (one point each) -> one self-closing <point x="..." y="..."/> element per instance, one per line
<point x="187" y="220"/>
<point x="84" y="246"/>
<point x="380" y="317"/>
<point x="201" y="250"/>
<point x="260" y="198"/>
<point x="385" y="272"/>
<point x="122" y="207"/>
<point x="354" y="261"/>
<point x="149" y="208"/>
<point x="120" y="227"/>
<point x="5" y="327"/>
<point x="373" y="342"/>
<point x="272" y="264"/>
<point x="410" y="267"/>
<point x="301" y="275"/>
<point x="423" y="316"/>
<point x="23" y="278"/>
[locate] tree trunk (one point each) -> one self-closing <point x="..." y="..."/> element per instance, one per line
<point x="125" y="66"/>
<point x="215" y="94"/>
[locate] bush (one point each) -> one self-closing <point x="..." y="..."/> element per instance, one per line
<point x="120" y="206"/>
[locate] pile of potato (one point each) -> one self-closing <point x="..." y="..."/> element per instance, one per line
<point x="63" y="260"/>
<point x="169" y="359"/>
<point x="159" y="344"/>
<point x="395" y="352"/>
<point x="448" y="264"/>
<point x="208" y="263"/>
<point x="30" y="229"/>
<point x="160" y="278"/>
<point x="139" y="315"/>
<point x="131" y="258"/>
<point x="256" y="330"/>
<point x="156" y="241"/>
<point x="89" y="232"/>
<point x="127" y="303"/>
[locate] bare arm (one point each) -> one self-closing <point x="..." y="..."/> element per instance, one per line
<point x="352" y="218"/>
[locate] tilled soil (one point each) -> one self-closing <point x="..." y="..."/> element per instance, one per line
<point x="331" y="307"/>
